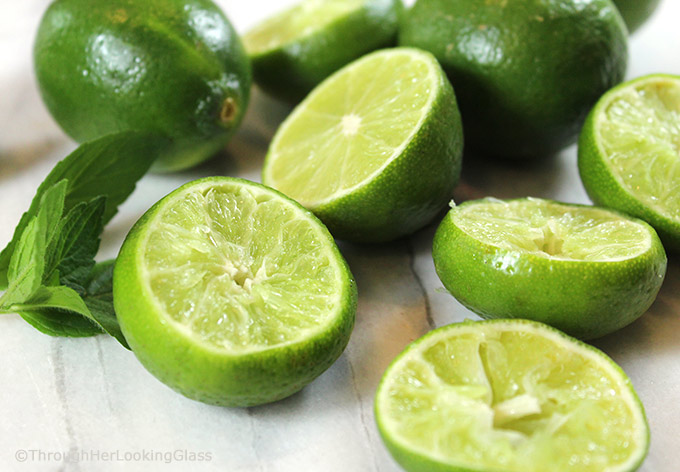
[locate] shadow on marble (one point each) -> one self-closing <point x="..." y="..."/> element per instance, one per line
<point x="496" y="177"/>
<point x="20" y="159"/>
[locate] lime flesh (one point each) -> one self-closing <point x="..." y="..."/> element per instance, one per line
<point x="302" y="20"/>
<point x="555" y="231"/>
<point x="337" y="141"/>
<point x="240" y="270"/>
<point x="640" y="134"/>
<point x="511" y="396"/>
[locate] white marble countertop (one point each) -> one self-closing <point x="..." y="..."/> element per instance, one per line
<point x="91" y="397"/>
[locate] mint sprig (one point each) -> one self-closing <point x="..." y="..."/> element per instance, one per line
<point x="48" y="268"/>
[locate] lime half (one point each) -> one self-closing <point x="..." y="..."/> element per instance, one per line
<point x="293" y="51"/>
<point x="509" y="396"/>
<point x="585" y="270"/>
<point x="629" y="153"/>
<point x="232" y="294"/>
<point x="375" y="150"/>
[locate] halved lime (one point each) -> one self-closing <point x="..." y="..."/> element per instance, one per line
<point x="629" y="153"/>
<point x="585" y="270"/>
<point x="295" y="50"/>
<point x="509" y="396"/>
<point x="233" y="294"/>
<point x="375" y="150"/>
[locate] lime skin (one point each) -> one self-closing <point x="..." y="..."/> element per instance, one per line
<point x="585" y="299"/>
<point x="200" y="371"/>
<point x="526" y="72"/>
<point x="636" y="12"/>
<point x="176" y="67"/>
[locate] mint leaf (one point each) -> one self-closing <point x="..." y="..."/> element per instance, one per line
<point x="99" y="299"/>
<point x="72" y="252"/>
<point x="108" y="167"/>
<point x="26" y="271"/>
<point x="60" y="323"/>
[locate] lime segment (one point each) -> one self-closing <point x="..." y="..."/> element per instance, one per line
<point x="510" y="396"/>
<point x="629" y="153"/>
<point x="640" y="133"/>
<point x="584" y="270"/>
<point x="233" y="294"/>
<point x="351" y="150"/>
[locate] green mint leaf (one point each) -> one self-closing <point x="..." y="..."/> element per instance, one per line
<point x="58" y="311"/>
<point x="99" y="299"/>
<point x="72" y="251"/>
<point x="109" y="167"/>
<point x="60" y="323"/>
<point x="26" y="269"/>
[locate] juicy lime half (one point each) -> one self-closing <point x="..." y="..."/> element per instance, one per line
<point x="375" y="150"/>
<point x="232" y="294"/>
<point x="629" y="153"/>
<point x="585" y="270"/>
<point x="293" y="51"/>
<point x="509" y="396"/>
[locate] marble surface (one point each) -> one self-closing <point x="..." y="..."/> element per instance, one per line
<point x="87" y="404"/>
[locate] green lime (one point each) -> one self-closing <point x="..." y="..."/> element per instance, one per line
<point x="509" y="396"/>
<point x="628" y="153"/>
<point x="171" y="66"/>
<point x="584" y="270"/>
<point x="375" y="150"/>
<point x="292" y="52"/>
<point x="233" y="294"/>
<point x="636" y="12"/>
<point x="526" y="72"/>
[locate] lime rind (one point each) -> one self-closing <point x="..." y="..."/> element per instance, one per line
<point x="301" y="21"/>
<point x="509" y="396"/>
<point x="238" y="270"/>
<point x="554" y="231"/>
<point x="638" y="130"/>
<point x="389" y="126"/>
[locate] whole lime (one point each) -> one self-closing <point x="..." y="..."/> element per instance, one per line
<point x="526" y="72"/>
<point x="636" y="12"/>
<point x="170" y="66"/>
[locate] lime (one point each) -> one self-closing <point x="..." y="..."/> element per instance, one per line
<point x="628" y="153"/>
<point x="292" y="52"/>
<point x="526" y="72"/>
<point x="375" y="150"/>
<point x="509" y="396"/>
<point x="636" y="12"/>
<point x="171" y="66"/>
<point x="584" y="270"/>
<point x="232" y="294"/>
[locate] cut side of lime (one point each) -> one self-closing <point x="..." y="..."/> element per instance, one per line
<point x="640" y="133"/>
<point x="375" y="150"/>
<point x="509" y="396"/>
<point x="585" y="270"/>
<point x="629" y="154"/>
<point x="293" y="51"/>
<point x="554" y="231"/>
<point x="249" y="285"/>
<point x="301" y="21"/>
